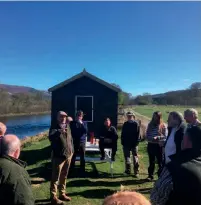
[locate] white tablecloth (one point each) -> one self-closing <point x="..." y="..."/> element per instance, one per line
<point x="92" y="147"/>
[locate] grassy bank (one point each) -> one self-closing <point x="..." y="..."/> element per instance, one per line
<point x="88" y="191"/>
<point x="28" y="141"/>
<point x="148" y="110"/>
<point x="24" y="114"/>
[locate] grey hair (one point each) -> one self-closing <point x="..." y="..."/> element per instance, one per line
<point x="10" y="146"/>
<point x="178" y="116"/>
<point x="192" y="111"/>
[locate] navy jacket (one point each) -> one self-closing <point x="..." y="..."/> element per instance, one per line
<point x="130" y="135"/>
<point x="79" y="131"/>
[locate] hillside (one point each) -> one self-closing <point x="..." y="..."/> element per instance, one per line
<point x="21" y="99"/>
<point x="13" y="89"/>
<point x="180" y="97"/>
<point x="188" y="97"/>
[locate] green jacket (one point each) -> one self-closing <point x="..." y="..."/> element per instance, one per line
<point x="62" y="144"/>
<point x="15" y="186"/>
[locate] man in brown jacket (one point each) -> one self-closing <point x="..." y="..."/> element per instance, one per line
<point x="62" y="152"/>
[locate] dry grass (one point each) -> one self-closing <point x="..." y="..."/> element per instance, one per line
<point x="26" y="142"/>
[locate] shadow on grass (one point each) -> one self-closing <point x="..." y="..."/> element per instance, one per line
<point x="33" y="156"/>
<point x="43" y="202"/>
<point x="88" y="194"/>
<point x="144" y="190"/>
<point x="43" y="172"/>
<point x="87" y="182"/>
<point x="92" y="172"/>
<point x="93" y="193"/>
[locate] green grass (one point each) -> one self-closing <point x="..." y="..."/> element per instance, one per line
<point x="86" y="191"/>
<point x="148" y="110"/>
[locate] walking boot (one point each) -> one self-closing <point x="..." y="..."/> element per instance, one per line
<point x="136" y="171"/>
<point x="102" y="157"/>
<point x="128" y="169"/>
<point x="82" y="171"/>
<point x="56" y="201"/>
<point x="150" y="178"/>
<point x="64" y="197"/>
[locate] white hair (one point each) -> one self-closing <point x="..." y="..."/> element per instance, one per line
<point x="2" y="128"/>
<point x="10" y="144"/>
<point x="192" y="111"/>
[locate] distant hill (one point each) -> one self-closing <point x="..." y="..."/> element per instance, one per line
<point x="178" y="97"/>
<point x="188" y="97"/>
<point x="14" y="89"/>
<point x="22" y="99"/>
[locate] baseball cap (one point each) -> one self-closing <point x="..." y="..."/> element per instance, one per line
<point x="130" y="114"/>
<point x="62" y="113"/>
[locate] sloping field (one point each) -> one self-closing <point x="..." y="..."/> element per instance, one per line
<point x="148" y="110"/>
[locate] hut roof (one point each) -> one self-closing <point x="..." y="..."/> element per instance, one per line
<point x="80" y="75"/>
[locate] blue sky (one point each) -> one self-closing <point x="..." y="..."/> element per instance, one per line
<point x="142" y="46"/>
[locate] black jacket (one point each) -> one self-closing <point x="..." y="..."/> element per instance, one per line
<point x="109" y="134"/>
<point x="15" y="185"/>
<point x="178" y="138"/>
<point x="59" y="142"/>
<point x="194" y="132"/>
<point x="185" y="169"/>
<point x="130" y="135"/>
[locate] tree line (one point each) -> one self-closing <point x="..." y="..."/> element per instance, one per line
<point x="23" y="102"/>
<point x="190" y="96"/>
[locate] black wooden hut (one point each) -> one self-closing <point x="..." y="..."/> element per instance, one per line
<point x="84" y="91"/>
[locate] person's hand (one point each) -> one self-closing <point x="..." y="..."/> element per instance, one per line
<point x="63" y="131"/>
<point x="155" y="138"/>
<point x="160" y="134"/>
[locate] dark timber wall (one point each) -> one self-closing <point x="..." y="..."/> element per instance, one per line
<point x="105" y="101"/>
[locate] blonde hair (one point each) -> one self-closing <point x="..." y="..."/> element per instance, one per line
<point x="126" y="197"/>
<point x="178" y="116"/>
<point x="2" y="128"/>
<point x="192" y="111"/>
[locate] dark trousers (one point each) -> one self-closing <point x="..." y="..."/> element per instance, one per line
<point x="127" y="150"/>
<point x="79" y="148"/>
<point x="105" y="143"/>
<point x="154" y="152"/>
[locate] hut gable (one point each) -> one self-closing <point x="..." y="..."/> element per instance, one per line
<point x="84" y="91"/>
<point x="84" y="73"/>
